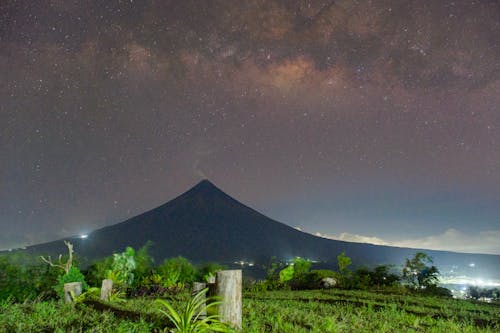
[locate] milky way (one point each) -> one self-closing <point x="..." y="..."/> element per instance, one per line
<point x="361" y="120"/>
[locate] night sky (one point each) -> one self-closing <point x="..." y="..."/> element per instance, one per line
<point x="360" y="120"/>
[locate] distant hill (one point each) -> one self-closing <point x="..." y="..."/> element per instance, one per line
<point x="205" y="224"/>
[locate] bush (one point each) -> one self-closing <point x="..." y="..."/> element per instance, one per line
<point x="436" y="291"/>
<point x="122" y="269"/>
<point x="207" y="270"/>
<point x="98" y="271"/>
<point x="74" y="275"/>
<point x="295" y="275"/>
<point x="25" y="281"/>
<point x="177" y="269"/>
<point x="144" y="262"/>
<point x="380" y="277"/>
<point x="314" y="278"/>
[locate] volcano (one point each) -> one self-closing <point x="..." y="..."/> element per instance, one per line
<point x="205" y="224"/>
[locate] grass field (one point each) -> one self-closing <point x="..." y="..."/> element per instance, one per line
<point x="278" y="311"/>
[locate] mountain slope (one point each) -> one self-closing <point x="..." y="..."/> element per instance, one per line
<point x="205" y="224"/>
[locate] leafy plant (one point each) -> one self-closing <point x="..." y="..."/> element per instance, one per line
<point x="177" y="269"/>
<point x="25" y="280"/>
<point x="190" y="319"/>
<point x="91" y="293"/>
<point x="419" y="271"/>
<point x="99" y="270"/>
<point x="122" y="268"/>
<point x="208" y="270"/>
<point x="286" y="274"/>
<point x="143" y="263"/>
<point x="343" y="262"/>
<point x="74" y="275"/>
<point x="295" y="274"/>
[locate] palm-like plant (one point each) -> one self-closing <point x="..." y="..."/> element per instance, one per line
<point x="192" y="318"/>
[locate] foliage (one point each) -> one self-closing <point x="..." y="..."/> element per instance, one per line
<point x="272" y="281"/>
<point x="434" y="290"/>
<point x="300" y="268"/>
<point x="343" y="262"/>
<point x="295" y="274"/>
<point x="92" y="293"/>
<point x="316" y="311"/>
<point x="27" y="280"/>
<point x="99" y="270"/>
<point x="74" y="275"/>
<point x="378" y="277"/>
<point x="344" y="276"/>
<point x="190" y="319"/>
<point x="208" y="270"/>
<point x="122" y="269"/>
<point x="362" y="311"/>
<point x="476" y="293"/>
<point x="286" y="274"/>
<point x="178" y="269"/>
<point x="419" y="273"/>
<point x="144" y="262"/>
<point x="58" y="317"/>
<point x="314" y="278"/>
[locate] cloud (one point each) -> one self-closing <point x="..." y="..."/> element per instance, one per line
<point x="345" y="236"/>
<point x="450" y="240"/>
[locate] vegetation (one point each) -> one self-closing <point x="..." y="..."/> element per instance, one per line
<point x="149" y="298"/>
<point x="194" y="318"/>
<point x="269" y="311"/>
<point x="419" y="272"/>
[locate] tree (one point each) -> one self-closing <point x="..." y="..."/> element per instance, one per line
<point x="419" y="272"/>
<point x="65" y="266"/>
<point x="345" y="274"/>
<point x="178" y="267"/>
<point x="343" y="262"/>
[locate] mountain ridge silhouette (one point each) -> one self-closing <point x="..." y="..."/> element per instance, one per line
<point x="205" y="224"/>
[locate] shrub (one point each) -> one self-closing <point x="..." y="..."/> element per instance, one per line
<point x="144" y="262"/>
<point x="314" y="278"/>
<point x="178" y="269"/>
<point x="122" y="268"/>
<point x="190" y="320"/>
<point x="98" y="271"/>
<point x="74" y="275"/>
<point x="208" y="270"/>
<point x="295" y="275"/>
<point x="379" y="277"/>
<point x="419" y="273"/>
<point x="437" y="291"/>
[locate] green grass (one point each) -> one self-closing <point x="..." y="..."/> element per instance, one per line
<point x="361" y="311"/>
<point x="278" y="311"/>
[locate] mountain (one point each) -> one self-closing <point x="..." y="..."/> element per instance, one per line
<point x="205" y="224"/>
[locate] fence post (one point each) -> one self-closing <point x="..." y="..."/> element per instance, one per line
<point x="228" y="288"/>
<point x="106" y="288"/>
<point x="71" y="290"/>
<point x="197" y="287"/>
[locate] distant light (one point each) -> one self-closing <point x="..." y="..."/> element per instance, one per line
<point x="472" y="264"/>
<point x="480" y="283"/>
<point x="84" y="236"/>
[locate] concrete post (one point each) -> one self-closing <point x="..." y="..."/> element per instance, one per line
<point x="71" y="290"/>
<point x="106" y="289"/>
<point x="228" y="288"/>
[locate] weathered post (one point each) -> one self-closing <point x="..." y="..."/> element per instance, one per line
<point x="197" y="287"/>
<point x="228" y="288"/>
<point x="71" y="290"/>
<point x="106" y="289"/>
